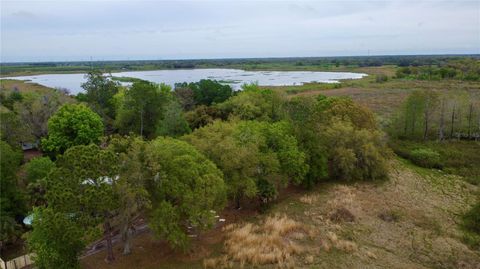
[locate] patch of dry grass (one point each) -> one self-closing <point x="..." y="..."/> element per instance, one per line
<point x="309" y="199"/>
<point x="273" y="241"/>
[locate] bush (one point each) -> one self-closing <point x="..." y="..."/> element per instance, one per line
<point x="38" y="168"/>
<point x="471" y="220"/>
<point x="471" y="226"/>
<point x="425" y="157"/>
<point x="381" y="78"/>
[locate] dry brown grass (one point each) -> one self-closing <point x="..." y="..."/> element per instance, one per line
<point x="274" y="241"/>
<point x="309" y="199"/>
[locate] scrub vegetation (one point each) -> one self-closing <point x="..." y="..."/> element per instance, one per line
<point x="377" y="172"/>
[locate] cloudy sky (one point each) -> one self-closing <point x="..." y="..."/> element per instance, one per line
<point x="64" y="30"/>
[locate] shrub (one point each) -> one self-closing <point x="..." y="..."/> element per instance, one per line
<point x="38" y="168"/>
<point x="471" y="226"/>
<point x="425" y="157"/>
<point x="471" y="220"/>
<point x="381" y="78"/>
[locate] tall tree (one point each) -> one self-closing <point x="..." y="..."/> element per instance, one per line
<point x="83" y="184"/>
<point x="141" y="108"/>
<point x="173" y="122"/>
<point x="12" y="205"/>
<point x="99" y="92"/>
<point x="185" y="187"/>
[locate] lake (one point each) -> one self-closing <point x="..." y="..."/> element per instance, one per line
<point x="232" y="77"/>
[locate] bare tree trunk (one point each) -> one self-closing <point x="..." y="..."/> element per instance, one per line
<point x="470" y="116"/>
<point x="453" y="122"/>
<point x="127" y="239"/>
<point x="141" y="122"/>
<point x="108" y="238"/>
<point x="427" y="115"/>
<point x="441" y="135"/>
<point x="413" y="119"/>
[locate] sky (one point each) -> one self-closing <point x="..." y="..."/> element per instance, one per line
<point x="72" y="30"/>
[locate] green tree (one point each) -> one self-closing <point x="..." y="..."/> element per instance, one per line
<point x="173" y="122"/>
<point x="237" y="161"/>
<point x="11" y="199"/>
<point x="83" y="184"/>
<point x="185" y="187"/>
<point x="38" y="168"/>
<point x="257" y="158"/>
<point x="141" y="108"/>
<point x="306" y="121"/>
<point x="130" y="187"/>
<point x="355" y="153"/>
<point x="56" y="239"/>
<point x="71" y="125"/>
<point x="12" y="129"/>
<point x="99" y="92"/>
<point x="202" y="115"/>
<point x="254" y="104"/>
<point x="208" y="92"/>
<point x="35" y="110"/>
<point x="333" y="109"/>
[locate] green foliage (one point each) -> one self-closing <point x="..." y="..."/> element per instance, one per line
<point x="333" y="109"/>
<point x="184" y="188"/>
<point x="10" y="100"/>
<point x="355" y="153"/>
<point x="471" y="220"/>
<point x="140" y="108"/>
<point x="251" y="153"/>
<point x="11" y="199"/>
<point x="426" y="157"/>
<point x="36" y="109"/>
<point x="202" y="115"/>
<point x="173" y="122"/>
<point x="83" y="181"/>
<point x="430" y="115"/>
<point x="72" y="125"/>
<point x="12" y="129"/>
<point x="254" y="103"/>
<point x="56" y="239"/>
<point x="381" y="78"/>
<point x="236" y="160"/>
<point x="456" y="157"/>
<point x="84" y="185"/>
<point x="471" y="225"/>
<point x="465" y="69"/>
<point x="208" y="92"/>
<point x="99" y="92"/>
<point x="38" y="168"/>
<point x="305" y="119"/>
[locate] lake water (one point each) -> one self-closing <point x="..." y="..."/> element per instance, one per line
<point x="232" y="77"/>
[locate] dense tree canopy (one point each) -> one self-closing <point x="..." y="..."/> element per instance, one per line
<point x="205" y="92"/>
<point x="256" y="158"/>
<point x="12" y="205"/>
<point x="71" y="125"/>
<point x="184" y="186"/>
<point x="83" y="184"/>
<point x="254" y="104"/>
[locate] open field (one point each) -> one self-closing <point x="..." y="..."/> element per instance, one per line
<point x="407" y="222"/>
